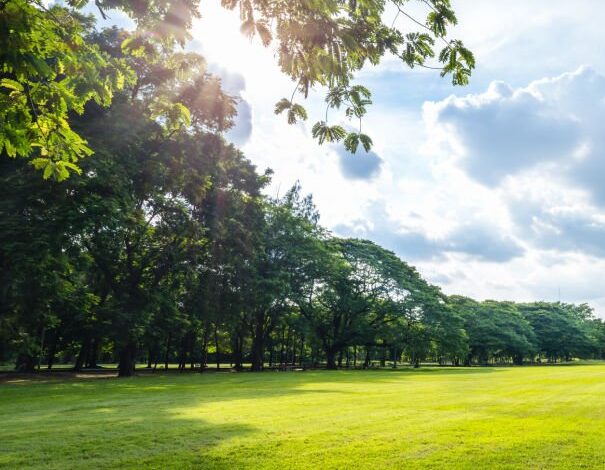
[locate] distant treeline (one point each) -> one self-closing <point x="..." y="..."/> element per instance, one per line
<point x="164" y="249"/>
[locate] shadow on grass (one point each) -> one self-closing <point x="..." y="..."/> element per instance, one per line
<point x="73" y="427"/>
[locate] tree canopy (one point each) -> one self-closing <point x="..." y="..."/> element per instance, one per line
<point x="53" y="65"/>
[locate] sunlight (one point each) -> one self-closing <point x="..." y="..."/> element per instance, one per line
<point x="233" y="51"/>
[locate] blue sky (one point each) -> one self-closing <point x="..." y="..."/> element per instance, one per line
<point x="494" y="190"/>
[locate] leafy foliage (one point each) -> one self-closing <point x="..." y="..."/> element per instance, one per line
<point x="53" y="65"/>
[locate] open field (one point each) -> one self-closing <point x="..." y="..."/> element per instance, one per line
<point x="527" y="417"/>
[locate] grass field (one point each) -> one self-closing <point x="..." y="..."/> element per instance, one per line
<point x="526" y="417"/>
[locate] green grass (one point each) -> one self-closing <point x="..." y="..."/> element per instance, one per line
<point x="529" y="417"/>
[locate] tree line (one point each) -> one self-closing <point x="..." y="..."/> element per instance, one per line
<point x="162" y="247"/>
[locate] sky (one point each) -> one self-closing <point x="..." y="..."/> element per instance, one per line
<point x="494" y="190"/>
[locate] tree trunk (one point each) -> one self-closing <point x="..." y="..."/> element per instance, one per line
<point x="238" y="358"/>
<point x="218" y="353"/>
<point x="126" y="364"/>
<point x="51" y="352"/>
<point x="93" y="354"/>
<point x="82" y="355"/>
<point x="205" y="347"/>
<point x="149" y="358"/>
<point x="25" y="363"/>
<point x="258" y="344"/>
<point x="331" y="358"/>
<point x="42" y="337"/>
<point x="282" y="348"/>
<point x="302" y="349"/>
<point x="167" y="351"/>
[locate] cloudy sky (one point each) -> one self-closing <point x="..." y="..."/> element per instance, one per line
<point x="494" y="190"/>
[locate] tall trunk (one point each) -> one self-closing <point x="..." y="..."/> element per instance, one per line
<point x="237" y="356"/>
<point x="93" y="353"/>
<point x="302" y="350"/>
<point x="82" y="355"/>
<point x="168" y="339"/>
<point x="366" y="362"/>
<point x="204" y="360"/>
<point x="42" y="337"/>
<point x="51" y="352"/>
<point x="331" y="357"/>
<point x="354" y="356"/>
<point x="192" y="351"/>
<point x="283" y="344"/>
<point x="126" y="364"/>
<point x="258" y="344"/>
<point x="218" y="353"/>
<point x="287" y="348"/>
<point x="25" y="363"/>
<point x="149" y="358"/>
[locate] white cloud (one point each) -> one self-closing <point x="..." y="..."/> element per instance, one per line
<point x="503" y="131"/>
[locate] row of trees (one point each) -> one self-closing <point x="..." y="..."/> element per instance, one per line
<point x="162" y="247"/>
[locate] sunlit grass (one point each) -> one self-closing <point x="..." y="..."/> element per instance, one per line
<point x="532" y="417"/>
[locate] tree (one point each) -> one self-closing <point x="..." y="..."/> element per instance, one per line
<point x="361" y="290"/>
<point x="496" y="330"/>
<point x="562" y="330"/>
<point x="52" y="66"/>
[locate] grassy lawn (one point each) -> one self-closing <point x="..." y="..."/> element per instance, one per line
<point x="529" y="417"/>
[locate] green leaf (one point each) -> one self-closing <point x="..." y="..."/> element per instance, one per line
<point x="11" y="84"/>
<point x="295" y="113"/>
<point x="351" y="142"/>
<point x="366" y="141"/>
<point x="325" y="133"/>
<point x="282" y="105"/>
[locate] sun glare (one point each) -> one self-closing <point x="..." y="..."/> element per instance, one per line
<point x="221" y="42"/>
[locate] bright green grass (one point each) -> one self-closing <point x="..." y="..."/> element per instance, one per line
<point x="526" y="417"/>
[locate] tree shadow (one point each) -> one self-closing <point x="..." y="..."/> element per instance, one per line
<point x="79" y="429"/>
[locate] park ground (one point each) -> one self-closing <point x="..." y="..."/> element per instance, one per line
<point x="517" y="417"/>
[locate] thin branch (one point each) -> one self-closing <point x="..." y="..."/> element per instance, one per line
<point x="103" y="14"/>
<point x="421" y="24"/>
<point x="395" y="19"/>
<point x="33" y="108"/>
<point x="429" y="67"/>
<point x="430" y="6"/>
<point x="295" y="88"/>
